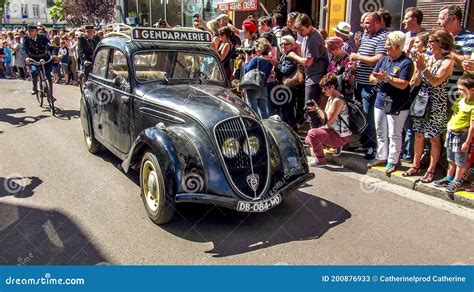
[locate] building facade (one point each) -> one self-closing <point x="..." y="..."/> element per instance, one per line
<point x="27" y="11"/>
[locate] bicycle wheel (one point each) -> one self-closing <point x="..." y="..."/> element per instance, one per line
<point x="39" y="91"/>
<point x="49" y="95"/>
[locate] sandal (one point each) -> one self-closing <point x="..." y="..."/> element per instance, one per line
<point x="428" y="177"/>
<point x="411" y="171"/>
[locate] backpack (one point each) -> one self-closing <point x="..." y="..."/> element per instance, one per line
<point x="357" y="118"/>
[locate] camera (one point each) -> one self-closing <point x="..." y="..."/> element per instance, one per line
<point x="248" y="51"/>
<point x="308" y="104"/>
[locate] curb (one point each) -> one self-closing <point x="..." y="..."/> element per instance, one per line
<point x="357" y="163"/>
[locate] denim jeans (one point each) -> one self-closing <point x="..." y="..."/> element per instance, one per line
<point x="257" y="99"/>
<point x="363" y="93"/>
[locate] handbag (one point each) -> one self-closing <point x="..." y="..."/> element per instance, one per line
<point x="296" y="78"/>
<point x="421" y="107"/>
<point x="253" y="79"/>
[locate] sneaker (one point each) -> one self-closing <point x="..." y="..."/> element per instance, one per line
<point x="375" y="162"/>
<point x="444" y="182"/>
<point x="34" y="91"/>
<point x="453" y="186"/>
<point x="337" y="151"/>
<point x="317" y="164"/>
<point x="370" y="154"/>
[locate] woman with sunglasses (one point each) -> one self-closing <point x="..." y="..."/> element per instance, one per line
<point x="432" y="73"/>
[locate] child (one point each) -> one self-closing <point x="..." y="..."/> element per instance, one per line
<point x="64" y="61"/>
<point x="459" y="136"/>
<point x="7" y="60"/>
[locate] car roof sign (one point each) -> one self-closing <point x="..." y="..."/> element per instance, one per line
<point x="171" y="35"/>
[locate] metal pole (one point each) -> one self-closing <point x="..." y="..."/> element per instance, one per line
<point x="149" y="17"/>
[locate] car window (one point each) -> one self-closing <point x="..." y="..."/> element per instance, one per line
<point x="159" y="65"/>
<point x="118" y="66"/>
<point x="100" y="63"/>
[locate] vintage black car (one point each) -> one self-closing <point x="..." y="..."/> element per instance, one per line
<point x="158" y="99"/>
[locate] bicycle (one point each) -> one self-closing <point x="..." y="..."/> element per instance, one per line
<point x="43" y="88"/>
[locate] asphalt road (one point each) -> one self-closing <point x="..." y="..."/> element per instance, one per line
<point x="61" y="205"/>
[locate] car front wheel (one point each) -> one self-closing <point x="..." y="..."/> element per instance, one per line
<point x="158" y="206"/>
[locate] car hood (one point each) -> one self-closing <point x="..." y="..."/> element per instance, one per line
<point x="207" y="103"/>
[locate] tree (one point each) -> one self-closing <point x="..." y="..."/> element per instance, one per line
<point x="93" y="12"/>
<point x="57" y="12"/>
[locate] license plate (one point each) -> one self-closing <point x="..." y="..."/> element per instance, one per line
<point x="261" y="206"/>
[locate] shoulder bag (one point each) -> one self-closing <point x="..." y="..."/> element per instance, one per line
<point x="253" y="79"/>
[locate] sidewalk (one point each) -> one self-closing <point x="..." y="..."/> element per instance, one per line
<point x="357" y="163"/>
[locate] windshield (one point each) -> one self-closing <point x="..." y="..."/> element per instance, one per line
<point x="161" y="65"/>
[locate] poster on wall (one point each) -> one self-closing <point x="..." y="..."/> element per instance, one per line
<point x="337" y="13"/>
<point x="243" y="5"/>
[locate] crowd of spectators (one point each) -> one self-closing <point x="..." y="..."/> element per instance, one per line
<point x="387" y="73"/>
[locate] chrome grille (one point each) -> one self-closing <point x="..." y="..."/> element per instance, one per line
<point x="243" y="167"/>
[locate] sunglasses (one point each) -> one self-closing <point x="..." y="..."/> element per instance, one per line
<point x="285" y="44"/>
<point x="433" y="41"/>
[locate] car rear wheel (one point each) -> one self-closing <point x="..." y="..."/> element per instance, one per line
<point x="158" y="206"/>
<point x="93" y="146"/>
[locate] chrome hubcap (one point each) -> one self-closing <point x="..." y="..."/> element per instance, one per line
<point x="151" y="187"/>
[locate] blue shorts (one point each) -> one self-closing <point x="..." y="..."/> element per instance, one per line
<point x="453" y="149"/>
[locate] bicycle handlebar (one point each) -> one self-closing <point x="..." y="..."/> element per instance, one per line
<point x="41" y="62"/>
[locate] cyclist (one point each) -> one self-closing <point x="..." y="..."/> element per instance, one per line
<point x="36" y="47"/>
<point x="86" y="45"/>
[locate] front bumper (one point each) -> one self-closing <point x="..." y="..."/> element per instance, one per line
<point x="232" y="203"/>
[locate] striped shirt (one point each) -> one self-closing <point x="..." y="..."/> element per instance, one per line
<point x="464" y="42"/>
<point x="370" y="46"/>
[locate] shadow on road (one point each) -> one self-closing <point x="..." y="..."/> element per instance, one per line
<point x="63" y="114"/>
<point x="6" y="115"/>
<point x="19" y="187"/>
<point x="30" y="236"/>
<point x="301" y="216"/>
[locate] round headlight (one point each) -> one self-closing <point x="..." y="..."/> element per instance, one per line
<point x="230" y="148"/>
<point x="251" y="146"/>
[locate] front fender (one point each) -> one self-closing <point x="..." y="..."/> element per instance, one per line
<point x="162" y="146"/>
<point x="291" y="148"/>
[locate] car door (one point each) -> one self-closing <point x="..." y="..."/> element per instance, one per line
<point x="116" y="102"/>
<point x="96" y="91"/>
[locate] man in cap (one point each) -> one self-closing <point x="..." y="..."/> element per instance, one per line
<point x="86" y="44"/>
<point x="36" y="47"/>
<point x="343" y="30"/>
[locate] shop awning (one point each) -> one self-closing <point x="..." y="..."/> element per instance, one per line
<point x="242" y="5"/>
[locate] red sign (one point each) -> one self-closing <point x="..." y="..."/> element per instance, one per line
<point x="242" y="5"/>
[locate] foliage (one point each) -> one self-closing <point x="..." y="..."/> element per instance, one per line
<point x="57" y="12"/>
<point x="95" y="12"/>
